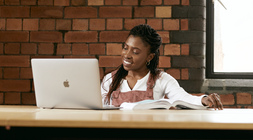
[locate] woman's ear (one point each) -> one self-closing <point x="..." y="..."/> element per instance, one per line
<point x="150" y="57"/>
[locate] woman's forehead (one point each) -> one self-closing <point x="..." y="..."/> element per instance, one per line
<point x="135" y="41"/>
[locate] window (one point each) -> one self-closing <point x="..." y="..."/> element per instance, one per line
<point x="229" y="42"/>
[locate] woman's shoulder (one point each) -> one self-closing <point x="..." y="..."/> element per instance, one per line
<point x="165" y="77"/>
<point x="163" y="74"/>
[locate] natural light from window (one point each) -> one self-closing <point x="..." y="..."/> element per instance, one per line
<point x="233" y="36"/>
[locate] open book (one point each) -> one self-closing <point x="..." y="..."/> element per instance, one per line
<point x="160" y="104"/>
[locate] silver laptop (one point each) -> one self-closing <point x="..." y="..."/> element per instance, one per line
<point x="67" y="83"/>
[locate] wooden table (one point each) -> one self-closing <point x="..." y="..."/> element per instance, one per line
<point x="31" y="117"/>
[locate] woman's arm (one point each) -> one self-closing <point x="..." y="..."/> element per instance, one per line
<point x="105" y="86"/>
<point x="212" y="100"/>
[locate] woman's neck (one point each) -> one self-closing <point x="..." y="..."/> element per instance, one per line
<point x="137" y="74"/>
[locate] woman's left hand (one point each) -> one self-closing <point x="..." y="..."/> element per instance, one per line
<point x="213" y="100"/>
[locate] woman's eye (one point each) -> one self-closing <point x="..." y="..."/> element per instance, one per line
<point x="135" y="52"/>
<point x="125" y="47"/>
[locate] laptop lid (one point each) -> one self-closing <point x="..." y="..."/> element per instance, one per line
<point x="67" y="83"/>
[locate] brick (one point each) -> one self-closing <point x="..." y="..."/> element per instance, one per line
<point x="164" y="62"/>
<point x="14" y="11"/>
<point x="97" y="48"/>
<point x="14" y="36"/>
<point x="171" y="2"/>
<point x="1" y="73"/>
<point x="14" y="24"/>
<point x="28" y="48"/>
<point x="144" y="12"/>
<point x="30" y="24"/>
<point x="14" y="61"/>
<point x="184" y="74"/>
<point x="47" y="12"/>
<point x="165" y="36"/>
<point x="151" y="2"/>
<point x="163" y="11"/>
<point x="184" y="24"/>
<point x="180" y="12"/>
<point x="47" y="24"/>
<point x="46" y="48"/>
<point x="15" y="85"/>
<point x="12" y="98"/>
<point x="74" y="12"/>
<point x="1" y="48"/>
<point x="80" y="56"/>
<point x="88" y="36"/>
<point x="101" y="73"/>
<point x="46" y="56"/>
<point x="80" y="24"/>
<point x="28" y="99"/>
<point x="188" y="37"/>
<point x="194" y="24"/>
<point x="79" y="49"/>
<point x="195" y="11"/>
<point x="78" y="2"/>
<point x="123" y="12"/>
<point x="1" y="98"/>
<point x="198" y="74"/>
<point x="185" y="49"/>
<point x="28" y="2"/>
<point x="108" y="70"/>
<point x="114" y="24"/>
<point x="161" y="49"/>
<point x="11" y="73"/>
<point x="61" y="2"/>
<point x="249" y="107"/>
<point x="156" y="24"/>
<point x="112" y="2"/>
<point x="11" y="2"/>
<point x="63" y="24"/>
<point x="26" y="73"/>
<point x="95" y="2"/>
<point x="110" y="61"/>
<point x="2" y="24"/>
<point x="97" y="24"/>
<point x="63" y="49"/>
<point x="185" y="2"/>
<point x="171" y="24"/>
<point x="45" y="2"/>
<point x="130" y="23"/>
<point x="174" y="73"/>
<point x="113" y="49"/>
<point x="113" y="36"/>
<point x="45" y="36"/>
<point x="130" y="2"/>
<point x="188" y="61"/>
<point x="172" y="49"/>
<point x="243" y="98"/>
<point x="227" y="99"/>
<point x="12" y="48"/>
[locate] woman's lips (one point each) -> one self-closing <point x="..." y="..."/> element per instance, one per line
<point x="126" y="63"/>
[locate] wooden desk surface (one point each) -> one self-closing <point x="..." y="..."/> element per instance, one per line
<point x="31" y="116"/>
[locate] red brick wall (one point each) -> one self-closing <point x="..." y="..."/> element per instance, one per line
<point x="96" y="28"/>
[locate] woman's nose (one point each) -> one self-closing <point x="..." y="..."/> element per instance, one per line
<point x="127" y="54"/>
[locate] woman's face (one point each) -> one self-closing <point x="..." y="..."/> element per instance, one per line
<point x="135" y="54"/>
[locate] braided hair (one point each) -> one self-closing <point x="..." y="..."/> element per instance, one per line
<point x="153" y="39"/>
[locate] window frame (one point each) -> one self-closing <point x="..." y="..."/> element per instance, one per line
<point x="210" y="74"/>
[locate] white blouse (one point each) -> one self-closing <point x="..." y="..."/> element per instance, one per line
<point x="165" y="85"/>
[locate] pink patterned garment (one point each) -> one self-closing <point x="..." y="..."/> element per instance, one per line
<point x="119" y="97"/>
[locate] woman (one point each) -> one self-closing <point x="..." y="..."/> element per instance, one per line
<point x="138" y="78"/>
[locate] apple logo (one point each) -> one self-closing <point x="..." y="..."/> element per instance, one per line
<point x="66" y="83"/>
